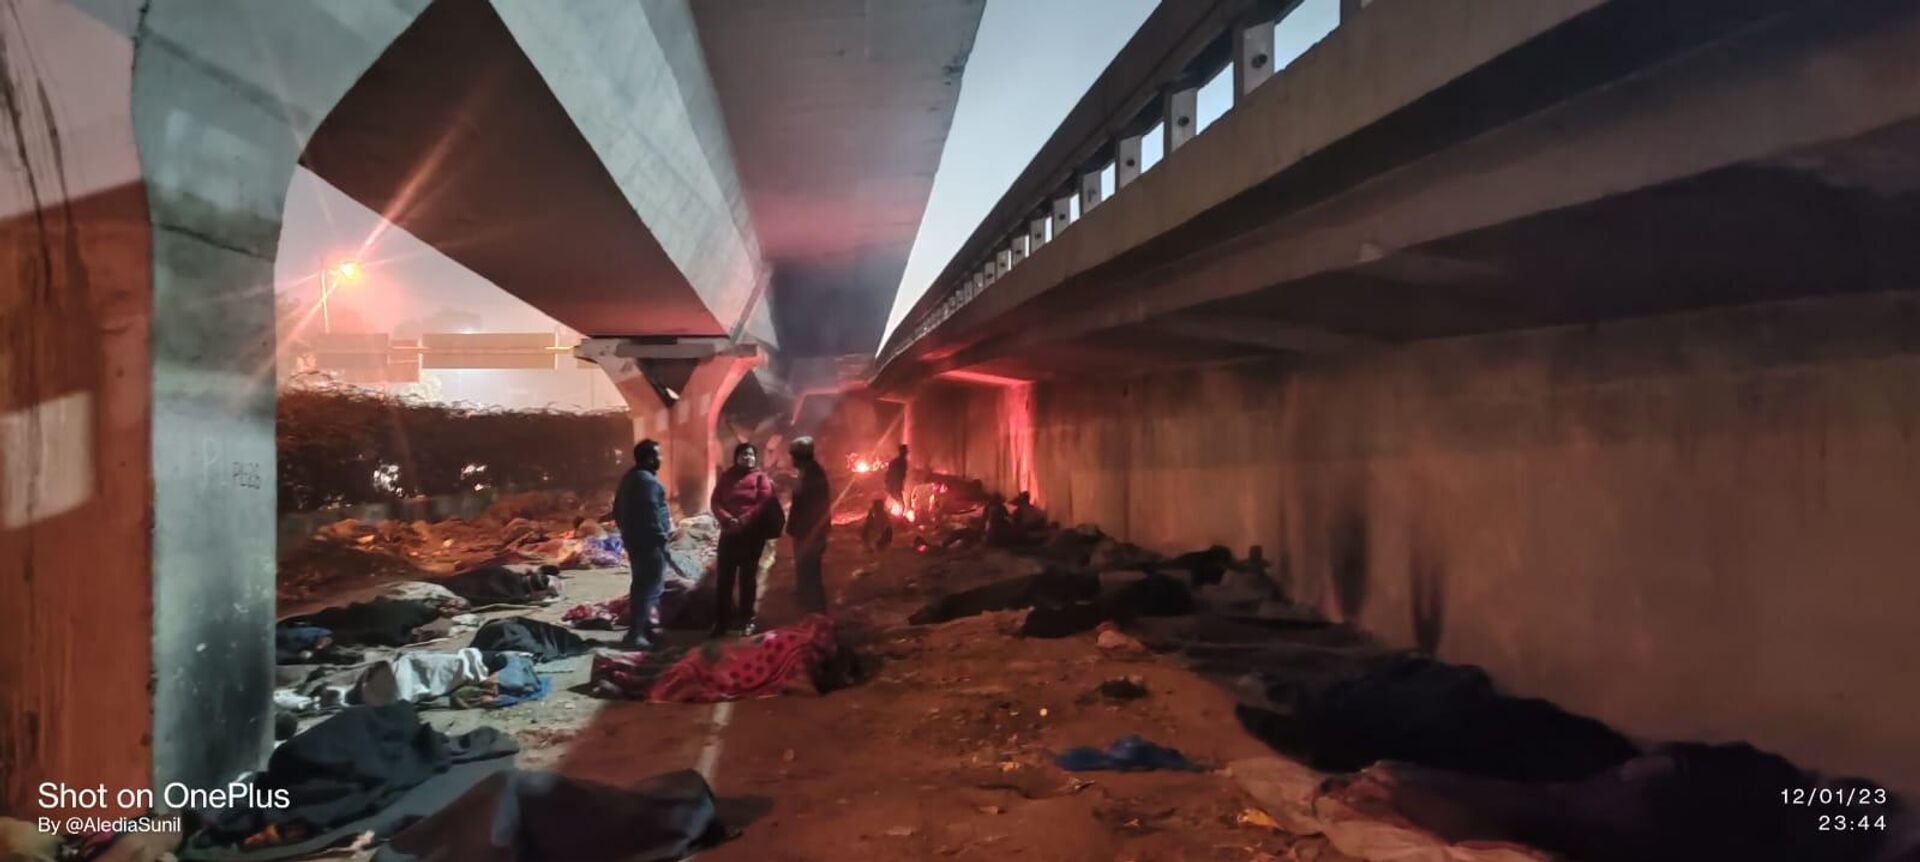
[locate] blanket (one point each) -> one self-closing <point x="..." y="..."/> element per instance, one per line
<point x="787" y="659"/>
<point x="523" y="816"/>
<point x="381" y="622"/>
<point x="544" y="641"/>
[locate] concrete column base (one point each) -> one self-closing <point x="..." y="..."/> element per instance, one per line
<point x="674" y="392"/>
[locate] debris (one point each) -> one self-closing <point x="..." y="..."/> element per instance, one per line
<point x="1256" y="818"/>
<point x="1109" y="637"/>
<point x="1126" y="754"/>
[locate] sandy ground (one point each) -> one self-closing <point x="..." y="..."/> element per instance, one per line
<point x="943" y="754"/>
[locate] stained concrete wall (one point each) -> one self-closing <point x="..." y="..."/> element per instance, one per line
<point x="633" y="79"/>
<point x="74" y="313"/>
<point x="1694" y="527"/>
<point x="224" y="96"/>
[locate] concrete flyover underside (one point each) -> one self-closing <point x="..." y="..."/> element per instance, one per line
<point x="1513" y="214"/>
<point x="455" y="135"/>
<point x="838" y="114"/>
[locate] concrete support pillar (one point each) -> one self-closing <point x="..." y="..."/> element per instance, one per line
<point x="1036" y="233"/>
<point x="989" y="271"/>
<point x="1090" y="191"/>
<point x="1002" y="261"/>
<point x="1183" y="114"/>
<point x="976" y="284"/>
<point x="674" y="392"/>
<point x="1252" y="56"/>
<point x="1017" y="250"/>
<point x="1126" y="161"/>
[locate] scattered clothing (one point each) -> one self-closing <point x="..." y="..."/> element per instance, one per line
<point x="803" y="657"/>
<point x="544" y="641"/>
<point x="501" y="585"/>
<point x="1417" y="710"/>
<point x="381" y="622"/>
<point x="418" y="677"/>
<point x="336" y="774"/>
<point x="1048" y="588"/>
<point x="1126" y="754"/>
<point x="525" y="816"/>
<point x="300" y="644"/>
<point x="611" y="614"/>
<point x="437" y="595"/>
<point x="510" y="680"/>
<point x="1203" y="568"/>
<point x="1149" y="596"/>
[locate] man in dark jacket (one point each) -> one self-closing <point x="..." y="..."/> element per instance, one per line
<point x="807" y="522"/>
<point x="897" y="476"/>
<point x="640" y="508"/>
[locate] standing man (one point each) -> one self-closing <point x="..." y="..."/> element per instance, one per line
<point x="640" y="508"/>
<point x="897" y="477"/>
<point x="807" y="522"/>
<point x="746" y="507"/>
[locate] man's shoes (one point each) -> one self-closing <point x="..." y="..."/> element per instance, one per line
<point x="747" y="629"/>
<point x="636" y="640"/>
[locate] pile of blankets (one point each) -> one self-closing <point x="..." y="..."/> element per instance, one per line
<point x="368" y="769"/>
<point x="805" y="657"/>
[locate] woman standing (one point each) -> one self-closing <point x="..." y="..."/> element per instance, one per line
<point x="744" y="504"/>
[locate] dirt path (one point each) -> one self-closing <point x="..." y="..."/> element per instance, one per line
<point x="944" y="755"/>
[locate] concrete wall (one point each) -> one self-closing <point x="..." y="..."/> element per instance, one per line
<point x="1694" y="527"/>
<point x="74" y="418"/>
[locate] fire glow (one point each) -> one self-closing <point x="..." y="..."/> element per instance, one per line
<point x="861" y="465"/>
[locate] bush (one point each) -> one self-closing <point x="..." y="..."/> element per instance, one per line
<point x="343" y="445"/>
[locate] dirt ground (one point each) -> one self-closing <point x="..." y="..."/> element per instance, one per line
<point x="943" y="754"/>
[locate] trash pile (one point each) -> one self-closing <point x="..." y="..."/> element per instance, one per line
<point x="560" y="529"/>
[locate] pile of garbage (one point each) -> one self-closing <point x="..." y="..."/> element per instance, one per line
<point x="560" y="529"/>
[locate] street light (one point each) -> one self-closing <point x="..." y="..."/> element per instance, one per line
<point x="345" y="272"/>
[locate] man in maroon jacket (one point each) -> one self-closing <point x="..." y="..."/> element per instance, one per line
<point x="741" y="502"/>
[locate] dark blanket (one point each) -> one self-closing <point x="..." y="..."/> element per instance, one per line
<point x="1151" y="596"/>
<point x="1678" y="803"/>
<point x="545" y="641"/>
<point x="340" y="771"/>
<point x="1429" y="713"/>
<point x="1046" y="588"/>
<point x="499" y="585"/>
<point x="522" y="816"/>
<point x="381" y="622"/>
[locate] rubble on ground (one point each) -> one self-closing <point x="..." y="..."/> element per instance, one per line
<point x="562" y="529"/>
